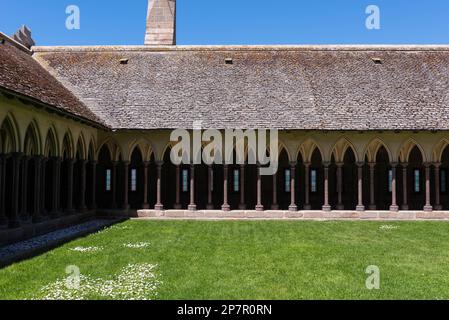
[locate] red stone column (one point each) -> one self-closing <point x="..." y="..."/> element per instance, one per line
<point x="43" y="187"/>
<point x="225" y="206"/>
<point x="428" y="207"/>
<point x="192" y="205"/>
<point x="93" y="205"/>
<point x="159" y="206"/>
<point x="438" y="206"/>
<point x="210" y="205"/>
<point x="24" y="216"/>
<point x="145" y="204"/>
<point x="307" y="205"/>
<point x="37" y="210"/>
<point x="114" y="185"/>
<point x="83" y="207"/>
<point x="259" y="206"/>
<point x="14" y="218"/>
<point x="404" y="186"/>
<point x="340" y="205"/>
<point x="242" y="205"/>
<point x="372" y="200"/>
<point x="3" y="219"/>
<point x="69" y="186"/>
<point x="177" y="186"/>
<point x="126" y="185"/>
<point x="326" y="206"/>
<point x="275" y="205"/>
<point x="394" y="207"/>
<point x="56" y="185"/>
<point x="293" y="206"/>
<point x="360" y="206"/>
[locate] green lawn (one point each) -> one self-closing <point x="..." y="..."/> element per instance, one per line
<point x="254" y="260"/>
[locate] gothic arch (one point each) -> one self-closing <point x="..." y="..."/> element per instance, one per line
<point x="438" y="149"/>
<point x="307" y="149"/>
<point x="145" y="148"/>
<point x="113" y="147"/>
<point x="341" y="147"/>
<point x="9" y="135"/>
<point x="373" y="148"/>
<point x="81" y="148"/>
<point x="67" y="150"/>
<point x="407" y="147"/>
<point x="51" y="145"/>
<point x="31" y="144"/>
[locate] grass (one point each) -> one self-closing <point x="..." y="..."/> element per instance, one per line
<point x="256" y="259"/>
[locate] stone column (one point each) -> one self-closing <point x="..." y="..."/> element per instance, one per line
<point x="56" y="185"/>
<point x="394" y="206"/>
<point x="242" y="205"/>
<point x="326" y="206"/>
<point x="210" y="205"/>
<point x="70" y="164"/>
<point x="307" y="205"/>
<point x="192" y="205"/>
<point x="404" y="186"/>
<point x="145" y="204"/>
<point x="159" y="206"/>
<point x="83" y="207"/>
<point x="428" y="207"/>
<point x="275" y="205"/>
<point x="372" y="200"/>
<point x="177" y="186"/>
<point x="93" y="205"/>
<point x="3" y="219"/>
<point x="259" y="206"/>
<point x="14" y="218"/>
<point x="293" y="206"/>
<point x="37" y="210"/>
<point x="340" y="205"/>
<point x="42" y="193"/>
<point x="225" y="206"/>
<point x="24" y="216"/>
<point x="126" y="185"/>
<point x="360" y="206"/>
<point x="114" y="185"/>
<point x="438" y="205"/>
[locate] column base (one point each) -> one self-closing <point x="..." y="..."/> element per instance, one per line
<point x="259" y="207"/>
<point x="191" y="207"/>
<point x="307" y="207"/>
<point x="37" y="218"/>
<point x="14" y="224"/>
<point x="438" y="207"/>
<point x="70" y="211"/>
<point x="177" y="206"/>
<point x="275" y="207"/>
<point x="293" y="208"/>
<point x="146" y="206"/>
<point x="327" y="208"/>
<point x="54" y="214"/>
<point x="404" y="207"/>
<point x="3" y="221"/>
<point x="210" y="207"/>
<point x="372" y="207"/>
<point x="394" y="208"/>
<point x="226" y="207"/>
<point x="242" y="206"/>
<point x="159" y="207"/>
<point x="83" y="209"/>
<point x="360" y="208"/>
<point x="24" y="217"/>
<point x="428" y="208"/>
<point x="126" y="207"/>
<point x="340" y="207"/>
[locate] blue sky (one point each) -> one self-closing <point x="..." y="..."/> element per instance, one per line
<point x="235" y="21"/>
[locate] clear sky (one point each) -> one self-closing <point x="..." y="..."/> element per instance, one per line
<point x="235" y="21"/>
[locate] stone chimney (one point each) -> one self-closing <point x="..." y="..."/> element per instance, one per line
<point x="161" y="22"/>
<point x="23" y="36"/>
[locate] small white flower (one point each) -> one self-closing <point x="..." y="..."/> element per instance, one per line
<point x="86" y="249"/>
<point x="388" y="227"/>
<point x="139" y="245"/>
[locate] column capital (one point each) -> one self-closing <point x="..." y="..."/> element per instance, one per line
<point x="293" y="163"/>
<point x="93" y="162"/>
<point x="126" y="163"/>
<point x="372" y="165"/>
<point x="327" y="164"/>
<point x="146" y="163"/>
<point x="360" y="164"/>
<point x="307" y="164"/>
<point x="437" y="164"/>
<point x="159" y="163"/>
<point x="394" y="164"/>
<point x="404" y="164"/>
<point x="339" y="164"/>
<point x="427" y="165"/>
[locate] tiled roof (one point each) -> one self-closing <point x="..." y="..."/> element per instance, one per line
<point x="20" y="73"/>
<point x="284" y="87"/>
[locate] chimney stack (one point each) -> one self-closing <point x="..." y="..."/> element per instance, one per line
<point x="161" y="22"/>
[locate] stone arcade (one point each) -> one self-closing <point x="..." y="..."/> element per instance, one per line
<point x="363" y="130"/>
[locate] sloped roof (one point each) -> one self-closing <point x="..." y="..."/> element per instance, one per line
<point x="284" y="87"/>
<point x="21" y="74"/>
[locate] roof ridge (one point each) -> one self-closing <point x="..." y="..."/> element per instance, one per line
<point x="15" y="43"/>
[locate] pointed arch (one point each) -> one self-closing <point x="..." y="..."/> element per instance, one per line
<point x="51" y="145"/>
<point x="113" y="147"/>
<point x="407" y="147"/>
<point x="91" y="151"/>
<point x="31" y="144"/>
<point x="81" y="147"/>
<point x="144" y="147"/>
<point x="9" y="135"/>
<point x="439" y="148"/>
<point x="341" y="147"/>
<point x="306" y="150"/>
<point x="373" y="148"/>
<point x="67" y="150"/>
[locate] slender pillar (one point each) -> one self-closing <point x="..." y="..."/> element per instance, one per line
<point x="307" y="205"/>
<point x="438" y="205"/>
<point x="24" y="216"/>
<point x="372" y="200"/>
<point x="394" y="206"/>
<point x="83" y="207"/>
<point x="126" y="185"/>
<point x="3" y="219"/>
<point x="56" y="187"/>
<point x="69" y="186"/>
<point x="225" y="206"/>
<point x="275" y="205"/>
<point x="159" y="206"/>
<point x="326" y="206"/>
<point x="293" y="206"/>
<point x="192" y="205"/>
<point x="14" y="218"/>
<point x="428" y="207"/>
<point x="114" y="185"/>
<point x="145" y="204"/>
<point x="93" y="205"/>
<point x="404" y="186"/>
<point x="37" y="210"/>
<point x="360" y="206"/>
<point x="43" y="180"/>
<point x="177" y="186"/>
<point x="340" y="205"/>
<point x="259" y="205"/>
<point x="210" y="205"/>
<point x="242" y="205"/>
